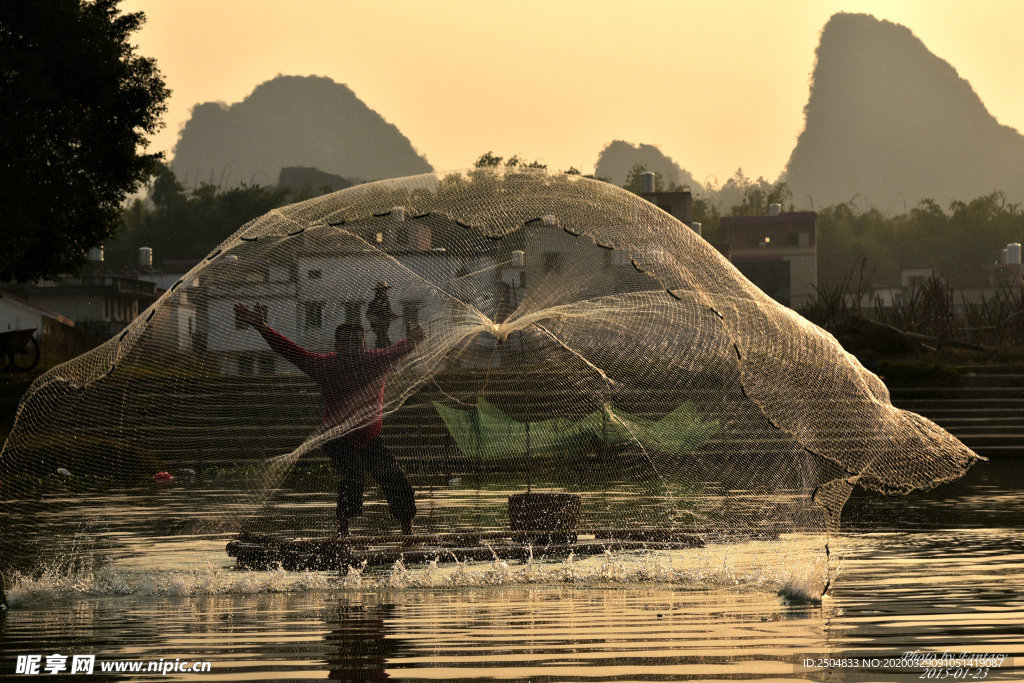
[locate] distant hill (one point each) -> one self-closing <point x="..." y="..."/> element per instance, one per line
<point x="311" y="179"/>
<point x="291" y="121"/>
<point x="619" y="157"/>
<point x="888" y="120"/>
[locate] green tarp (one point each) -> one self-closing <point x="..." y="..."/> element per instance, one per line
<point x="487" y="432"/>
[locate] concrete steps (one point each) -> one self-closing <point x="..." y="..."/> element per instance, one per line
<point x="985" y="409"/>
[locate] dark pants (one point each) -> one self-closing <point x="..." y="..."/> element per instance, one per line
<point x="353" y="463"/>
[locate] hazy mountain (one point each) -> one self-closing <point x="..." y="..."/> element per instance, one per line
<point x="619" y="157"/>
<point x="291" y="121"/>
<point x="890" y="121"/>
<point x="313" y="180"/>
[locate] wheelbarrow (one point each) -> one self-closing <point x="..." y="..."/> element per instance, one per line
<point x="19" y="350"/>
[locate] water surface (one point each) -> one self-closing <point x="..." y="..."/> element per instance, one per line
<point x="934" y="572"/>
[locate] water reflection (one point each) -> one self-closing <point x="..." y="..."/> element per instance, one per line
<point x="885" y="604"/>
<point x="358" y="645"/>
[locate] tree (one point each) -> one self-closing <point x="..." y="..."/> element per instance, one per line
<point x="634" y="180"/>
<point x="187" y="225"/>
<point x="489" y="160"/>
<point x="78" y="105"/>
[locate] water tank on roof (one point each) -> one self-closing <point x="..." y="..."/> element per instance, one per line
<point x="96" y="255"/>
<point x="1013" y="252"/>
<point x="145" y="257"/>
<point x="697" y="228"/>
<point x="1004" y="256"/>
<point x="647" y="182"/>
<point x="774" y="209"/>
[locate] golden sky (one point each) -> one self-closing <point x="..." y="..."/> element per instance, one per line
<point x="715" y="84"/>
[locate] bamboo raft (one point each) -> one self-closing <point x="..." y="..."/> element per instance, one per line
<point x="263" y="551"/>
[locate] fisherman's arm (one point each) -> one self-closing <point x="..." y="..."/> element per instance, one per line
<point x="296" y="355"/>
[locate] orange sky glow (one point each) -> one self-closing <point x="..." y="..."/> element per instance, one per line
<point x="716" y="85"/>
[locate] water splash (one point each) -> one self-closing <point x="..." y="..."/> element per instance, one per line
<point x="812" y="586"/>
<point x="62" y="583"/>
<point x="792" y="567"/>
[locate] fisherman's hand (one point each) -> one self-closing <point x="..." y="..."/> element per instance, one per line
<point x="255" y="316"/>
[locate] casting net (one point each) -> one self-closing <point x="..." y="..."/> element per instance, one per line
<point x="541" y="352"/>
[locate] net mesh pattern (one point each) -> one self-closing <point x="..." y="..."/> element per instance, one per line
<point x="575" y="339"/>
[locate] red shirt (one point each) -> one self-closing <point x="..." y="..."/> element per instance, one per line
<point x="350" y="388"/>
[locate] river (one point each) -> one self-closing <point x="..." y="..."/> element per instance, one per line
<point x="941" y="572"/>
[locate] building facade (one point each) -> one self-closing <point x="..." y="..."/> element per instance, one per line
<point x="778" y="253"/>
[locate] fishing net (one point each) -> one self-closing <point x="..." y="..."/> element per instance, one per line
<point x="542" y="353"/>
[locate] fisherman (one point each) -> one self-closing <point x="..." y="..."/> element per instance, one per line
<point x="380" y="315"/>
<point x="351" y="382"/>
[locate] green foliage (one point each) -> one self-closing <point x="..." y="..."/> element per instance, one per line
<point x="932" y="308"/>
<point x="707" y="214"/>
<point x="957" y="244"/>
<point x="741" y="196"/>
<point x="757" y="197"/>
<point x="634" y="180"/>
<point x="835" y="304"/>
<point x="927" y="310"/>
<point x="489" y="160"/>
<point x="189" y="224"/>
<point x="78" y="105"/>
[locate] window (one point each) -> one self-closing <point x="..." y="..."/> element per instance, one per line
<point x="411" y="312"/>
<point x="794" y="239"/>
<point x="246" y="366"/>
<point x="266" y="364"/>
<point x="353" y="313"/>
<point x="552" y="262"/>
<point x="314" y="314"/>
<point x="315" y="274"/>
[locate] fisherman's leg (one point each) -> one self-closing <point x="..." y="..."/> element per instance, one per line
<point x="348" y="462"/>
<point x="392" y="482"/>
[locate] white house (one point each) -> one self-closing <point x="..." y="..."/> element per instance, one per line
<point x="310" y="285"/>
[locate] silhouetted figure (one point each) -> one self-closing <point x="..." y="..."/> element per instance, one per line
<point x="380" y="315"/>
<point x="351" y="382"/>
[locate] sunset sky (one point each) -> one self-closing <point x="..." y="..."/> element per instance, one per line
<point x="716" y="85"/>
